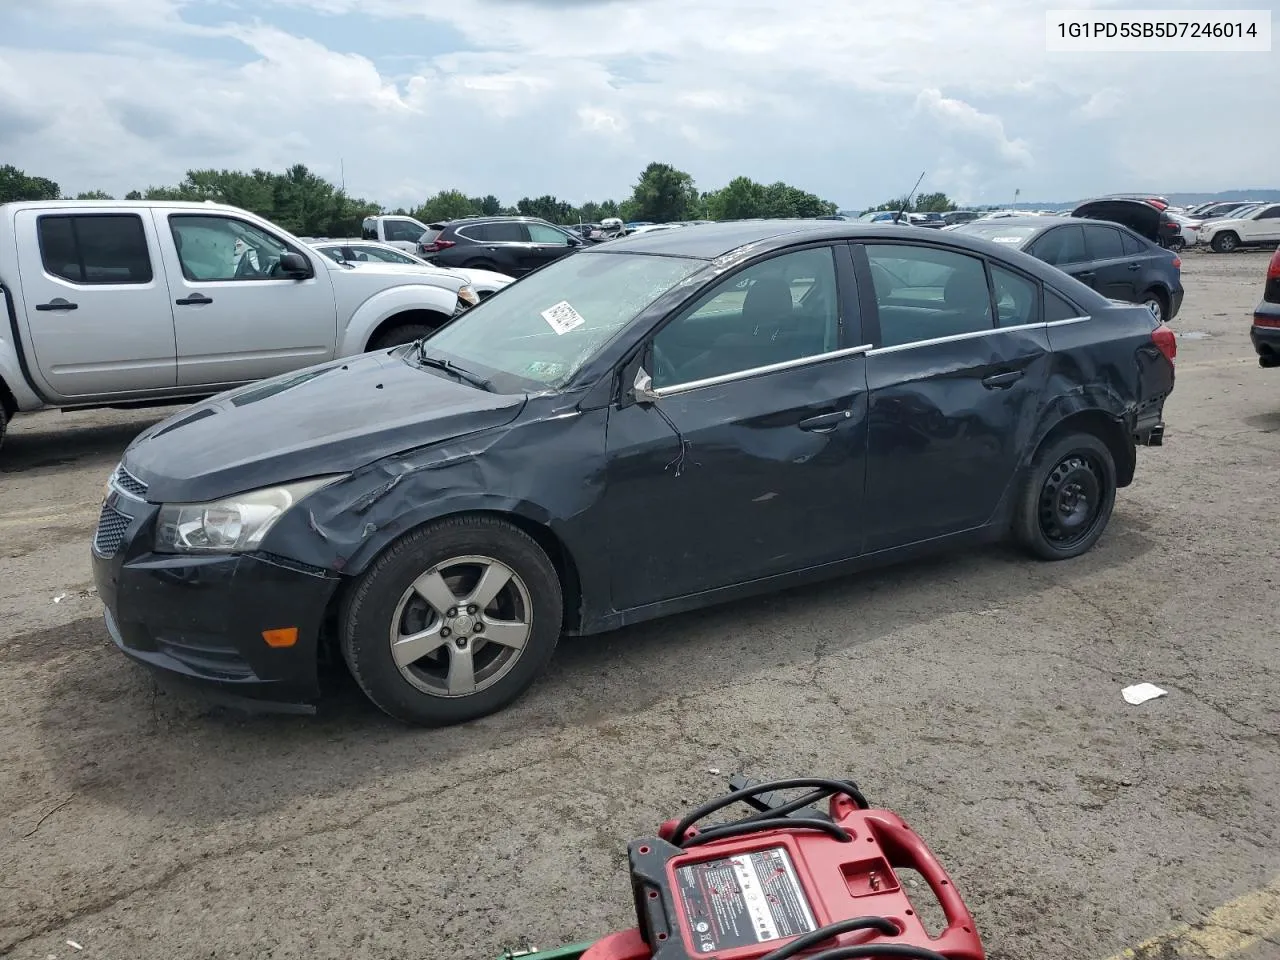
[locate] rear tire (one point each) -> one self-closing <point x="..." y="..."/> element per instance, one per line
<point x="1225" y="242"/>
<point x="1067" y="498"/>
<point x="1155" y="302"/>
<point x="405" y="333"/>
<point x="425" y="655"/>
<point x="480" y="265"/>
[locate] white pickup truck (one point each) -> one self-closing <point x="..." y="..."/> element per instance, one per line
<point x="112" y="303"/>
<point x="403" y="233"/>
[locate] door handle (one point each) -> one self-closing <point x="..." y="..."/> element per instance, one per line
<point x="825" y="422"/>
<point x="195" y="298"/>
<point x="1002" y="381"/>
<point x="57" y="303"/>
<point x="1085" y="275"/>
<point x="1135" y="266"/>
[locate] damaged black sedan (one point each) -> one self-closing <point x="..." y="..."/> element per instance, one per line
<point x="656" y="424"/>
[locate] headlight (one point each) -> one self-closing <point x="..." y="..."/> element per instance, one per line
<point x="468" y="296"/>
<point x="233" y="525"/>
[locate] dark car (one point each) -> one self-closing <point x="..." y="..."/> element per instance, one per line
<point x="954" y="217"/>
<point x="1265" y="332"/>
<point x="650" y="426"/>
<point x="1113" y="260"/>
<point x="511" y="245"/>
<point x="1147" y="218"/>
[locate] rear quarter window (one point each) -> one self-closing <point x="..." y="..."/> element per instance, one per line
<point x="1058" y="308"/>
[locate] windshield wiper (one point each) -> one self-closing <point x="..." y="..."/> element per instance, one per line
<point x="462" y="373"/>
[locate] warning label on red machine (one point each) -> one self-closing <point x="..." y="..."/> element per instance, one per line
<point x="743" y="900"/>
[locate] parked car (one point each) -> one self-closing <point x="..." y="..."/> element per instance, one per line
<point x="1265" y="332"/>
<point x="930" y="219"/>
<point x="1255" y="227"/>
<point x="1143" y="217"/>
<point x="116" y="302"/>
<point x="401" y="232"/>
<point x="511" y="245"/>
<point x="653" y="425"/>
<point x="1110" y="258"/>
<point x="1207" y="211"/>
<point x="355" y="252"/>
<point x="1189" y="226"/>
<point x="953" y="217"/>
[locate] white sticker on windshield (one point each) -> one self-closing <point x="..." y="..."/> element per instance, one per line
<point x="563" y="318"/>
<point x="1006" y="239"/>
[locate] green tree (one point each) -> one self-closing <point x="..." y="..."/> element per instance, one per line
<point x="933" y="203"/>
<point x="445" y="205"/>
<point x="741" y="199"/>
<point x="16" y="185"/>
<point x="548" y="208"/>
<point x="133" y="195"/>
<point x="94" y="195"/>
<point x="488" y="206"/>
<point x="900" y="203"/>
<point x="663" y="194"/>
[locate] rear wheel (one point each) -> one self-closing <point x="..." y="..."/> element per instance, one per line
<point x="1068" y="497"/>
<point x="480" y="265"/>
<point x="1154" y="301"/>
<point x="453" y="622"/>
<point x="1225" y="242"/>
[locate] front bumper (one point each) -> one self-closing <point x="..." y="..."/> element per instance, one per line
<point x="203" y="617"/>
<point x="1265" y="333"/>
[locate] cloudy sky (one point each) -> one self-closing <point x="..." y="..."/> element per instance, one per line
<point x="846" y="98"/>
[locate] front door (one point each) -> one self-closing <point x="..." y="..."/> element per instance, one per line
<point x="1265" y="227"/>
<point x="954" y="383"/>
<point x="97" y="306"/>
<point x="751" y="462"/>
<point x="236" y="319"/>
<point x="549" y="244"/>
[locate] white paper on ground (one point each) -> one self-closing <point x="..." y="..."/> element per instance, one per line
<point x="1141" y="693"/>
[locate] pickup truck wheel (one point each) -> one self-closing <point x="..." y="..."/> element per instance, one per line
<point x="405" y="333"/>
<point x="1225" y="242"/>
<point x="453" y="622"/>
<point x="1068" y="497"/>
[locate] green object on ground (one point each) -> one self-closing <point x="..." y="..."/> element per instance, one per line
<point x="572" y="952"/>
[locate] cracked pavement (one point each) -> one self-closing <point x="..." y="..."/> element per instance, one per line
<point x="976" y="694"/>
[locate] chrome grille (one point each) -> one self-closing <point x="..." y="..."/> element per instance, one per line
<point x="111" y="527"/>
<point x="129" y="484"/>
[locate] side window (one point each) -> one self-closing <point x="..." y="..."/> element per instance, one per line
<point x="1103" y="243"/>
<point x="549" y="236"/>
<point x="223" y="248"/>
<point x="99" y="248"/>
<point x="504" y="231"/>
<point x="781" y="309"/>
<point x="403" y="230"/>
<point x="923" y="293"/>
<point x="1016" y="297"/>
<point x="369" y="230"/>
<point x="1271" y="213"/>
<point x="1061" y="246"/>
<point x="1132" y="245"/>
<point x="1056" y="308"/>
<point x="333" y="253"/>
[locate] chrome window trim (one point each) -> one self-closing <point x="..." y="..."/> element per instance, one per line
<point x="678" y="388"/>
<point x="973" y="334"/>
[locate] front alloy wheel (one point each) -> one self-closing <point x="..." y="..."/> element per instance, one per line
<point x="453" y="621"/>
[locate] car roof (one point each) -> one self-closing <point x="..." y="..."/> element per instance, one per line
<point x="1039" y="221"/>
<point x="460" y="221"/>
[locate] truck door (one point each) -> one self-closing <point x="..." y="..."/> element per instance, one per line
<point x="236" y="318"/>
<point x="97" y="310"/>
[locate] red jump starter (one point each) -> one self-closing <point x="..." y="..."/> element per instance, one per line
<point x="788" y="880"/>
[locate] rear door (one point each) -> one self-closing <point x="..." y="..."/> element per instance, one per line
<point x="98" y="312"/>
<point x="1115" y="275"/>
<point x="961" y="359"/>
<point x="236" y="319"/>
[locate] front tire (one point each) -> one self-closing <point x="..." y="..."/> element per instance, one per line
<point x="453" y="622"/>
<point x="1068" y="497"/>
<point x="1225" y="242"/>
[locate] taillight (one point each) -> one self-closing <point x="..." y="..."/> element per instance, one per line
<point x="1273" y="271"/>
<point x="1177" y="263"/>
<point x="1166" y="341"/>
<point x="435" y="246"/>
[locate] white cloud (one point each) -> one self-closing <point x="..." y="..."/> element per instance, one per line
<point x="574" y="98"/>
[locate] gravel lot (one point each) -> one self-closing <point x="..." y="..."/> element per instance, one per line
<point x="978" y="695"/>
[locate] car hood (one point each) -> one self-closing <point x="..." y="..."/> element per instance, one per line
<point x="327" y="419"/>
<point x="404" y="272"/>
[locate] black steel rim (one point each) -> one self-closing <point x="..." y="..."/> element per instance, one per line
<point x="1071" y="500"/>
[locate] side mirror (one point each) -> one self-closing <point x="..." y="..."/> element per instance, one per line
<point x="295" y="265"/>
<point x="642" y="389"/>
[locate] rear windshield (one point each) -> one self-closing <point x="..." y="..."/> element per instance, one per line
<point x="430" y="235"/>
<point x="998" y="232"/>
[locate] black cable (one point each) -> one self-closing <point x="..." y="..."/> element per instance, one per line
<point x="877" y="951"/>
<point x="883" y="924"/>
<point x="829" y="787"/>
<point x="781" y="823"/>
<point x="788" y="808"/>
